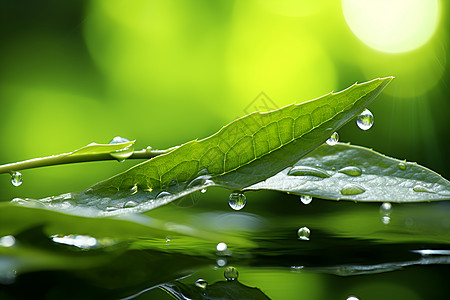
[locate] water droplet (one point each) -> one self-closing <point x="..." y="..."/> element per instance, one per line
<point x="231" y="273"/>
<point x="237" y="201"/>
<point x="422" y="189"/>
<point x="163" y="194"/>
<point x="168" y="241"/>
<point x="303" y="233"/>
<point x="308" y="171"/>
<point x="80" y="241"/>
<point x="202" y="180"/>
<point x="121" y="155"/>
<point x="7" y="241"/>
<point x="221" y="262"/>
<point x="352" y="189"/>
<point x="402" y="165"/>
<point x="365" y="120"/>
<point x="130" y="203"/>
<point x="334" y="139"/>
<point x="352" y="298"/>
<point x="16" y="178"/>
<point x="386" y="208"/>
<point x="351" y="171"/>
<point x="221" y="247"/>
<point x="306" y="199"/>
<point x="385" y="219"/>
<point x="201" y="283"/>
<point x="203" y="191"/>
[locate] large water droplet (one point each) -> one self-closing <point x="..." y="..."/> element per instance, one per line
<point x="308" y="171"/>
<point x="306" y="199"/>
<point x="163" y="194"/>
<point x="352" y="189"/>
<point x="7" y="241"/>
<point x="237" y="201"/>
<point x="334" y="139"/>
<point x="201" y="283"/>
<point x="231" y="273"/>
<point x="130" y="203"/>
<point x="121" y="155"/>
<point x="365" y="120"/>
<point x="351" y="171"/>
<point x="386" y="208"/>
<point x="221" y="247"/>
<point x="16" y="178"/>
<point x="303" y="233"/>
<point x="422" y="189"/>
<point x="402" y="165"/>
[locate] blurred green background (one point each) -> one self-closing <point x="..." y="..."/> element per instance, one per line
<point x="164" y="72"/>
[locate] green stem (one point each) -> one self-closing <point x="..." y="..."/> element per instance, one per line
<point x="68" y="159"/>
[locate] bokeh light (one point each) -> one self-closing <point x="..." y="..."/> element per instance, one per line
<point x="392" y="25"/>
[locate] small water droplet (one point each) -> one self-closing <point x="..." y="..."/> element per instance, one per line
<point x="167" y="241"/>
<point x="7" y="241"/>
<point x="80" y="241"/>
<point x="202" y="180"/>
<point x="231" y="273"/>
<point x="303" y="233"/>
<point x="402" y="165"/>
<point x="163" y="194"/>
<point x="306" y="199"/>
<point x="221" y="247"/>
<point x="130" y="203"/>
<point x="203" y="191"/>
<point x="422" y="189"/>
<point x="352" y="298"/>
<point x="334" y="139"/>
<point x="386" y="208"/>
<point x="237" y="200"/>
<point x="385" y="219"/>
<point x="121" y="155"/>
<point x="351" y="171"/>
<point x="201" y="283"/>
<point x="308" y="171"/>
<point x="221" y="262"/>
<point x="365" y="120"/>
<point x="352" y="189"/>
<point x="16" y="178"/>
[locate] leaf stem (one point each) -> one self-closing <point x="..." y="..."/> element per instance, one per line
<point x="63" y="159"/>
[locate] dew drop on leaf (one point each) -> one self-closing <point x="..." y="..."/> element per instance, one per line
<point x="163" y="194"/>
<point x="308" y="171"/>
<point x="422" y="189"/>
<point x="365" y="120"/>
<point x="7" y="241"/>
<point x="201" y="283"/>
<point x="121" y="155"/>
<point x="351" y="171"/>
<point x="231" y="273"/>
<point x="402" y="165"/>
<point x="237" y="201"/>
<point x="352" y="189"/>
<point x="303" y="233"/>
<point x="334" y="139"/>
<point x="130" y="203"/>
<point x="203" y="191"/>
<point x="221" y="247"/>
<point x="306" y="199"/>
<point x="16" y="178"/>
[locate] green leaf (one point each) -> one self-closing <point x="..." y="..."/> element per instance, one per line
<point x="244" y="152"/>
<point x="346" y="172"/>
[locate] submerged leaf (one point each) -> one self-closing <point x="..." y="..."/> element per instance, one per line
<point x="359" y="174"/>
<point x="244" y="152"/>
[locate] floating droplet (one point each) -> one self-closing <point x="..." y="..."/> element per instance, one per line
<point x="203" y="191"/>
<point x="352" y="189"/>
<point x="237" y="201"/>
<point x="365" y="120"/>
<point x="221" y="247"/>
<point x="221" y="262"/>
<point x="163" y="194"/>
<point x="422" y="189"/>
<point x="308" y="171"/>
<point x="231" y="273"/>
<point x="351" y="171"/>
<point x="130" y="203"/>
<point x="121" y="155"/>
<point x="7" y="241"/>
<point x="303" y="233"/>
<point x="334" y="139"/>
<point x="386" y="208"/>
<point x="306" y="199"/>
<point x="201" y="283"/>
<point x="16" y="178"/>
<point x="402" y="165"/>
